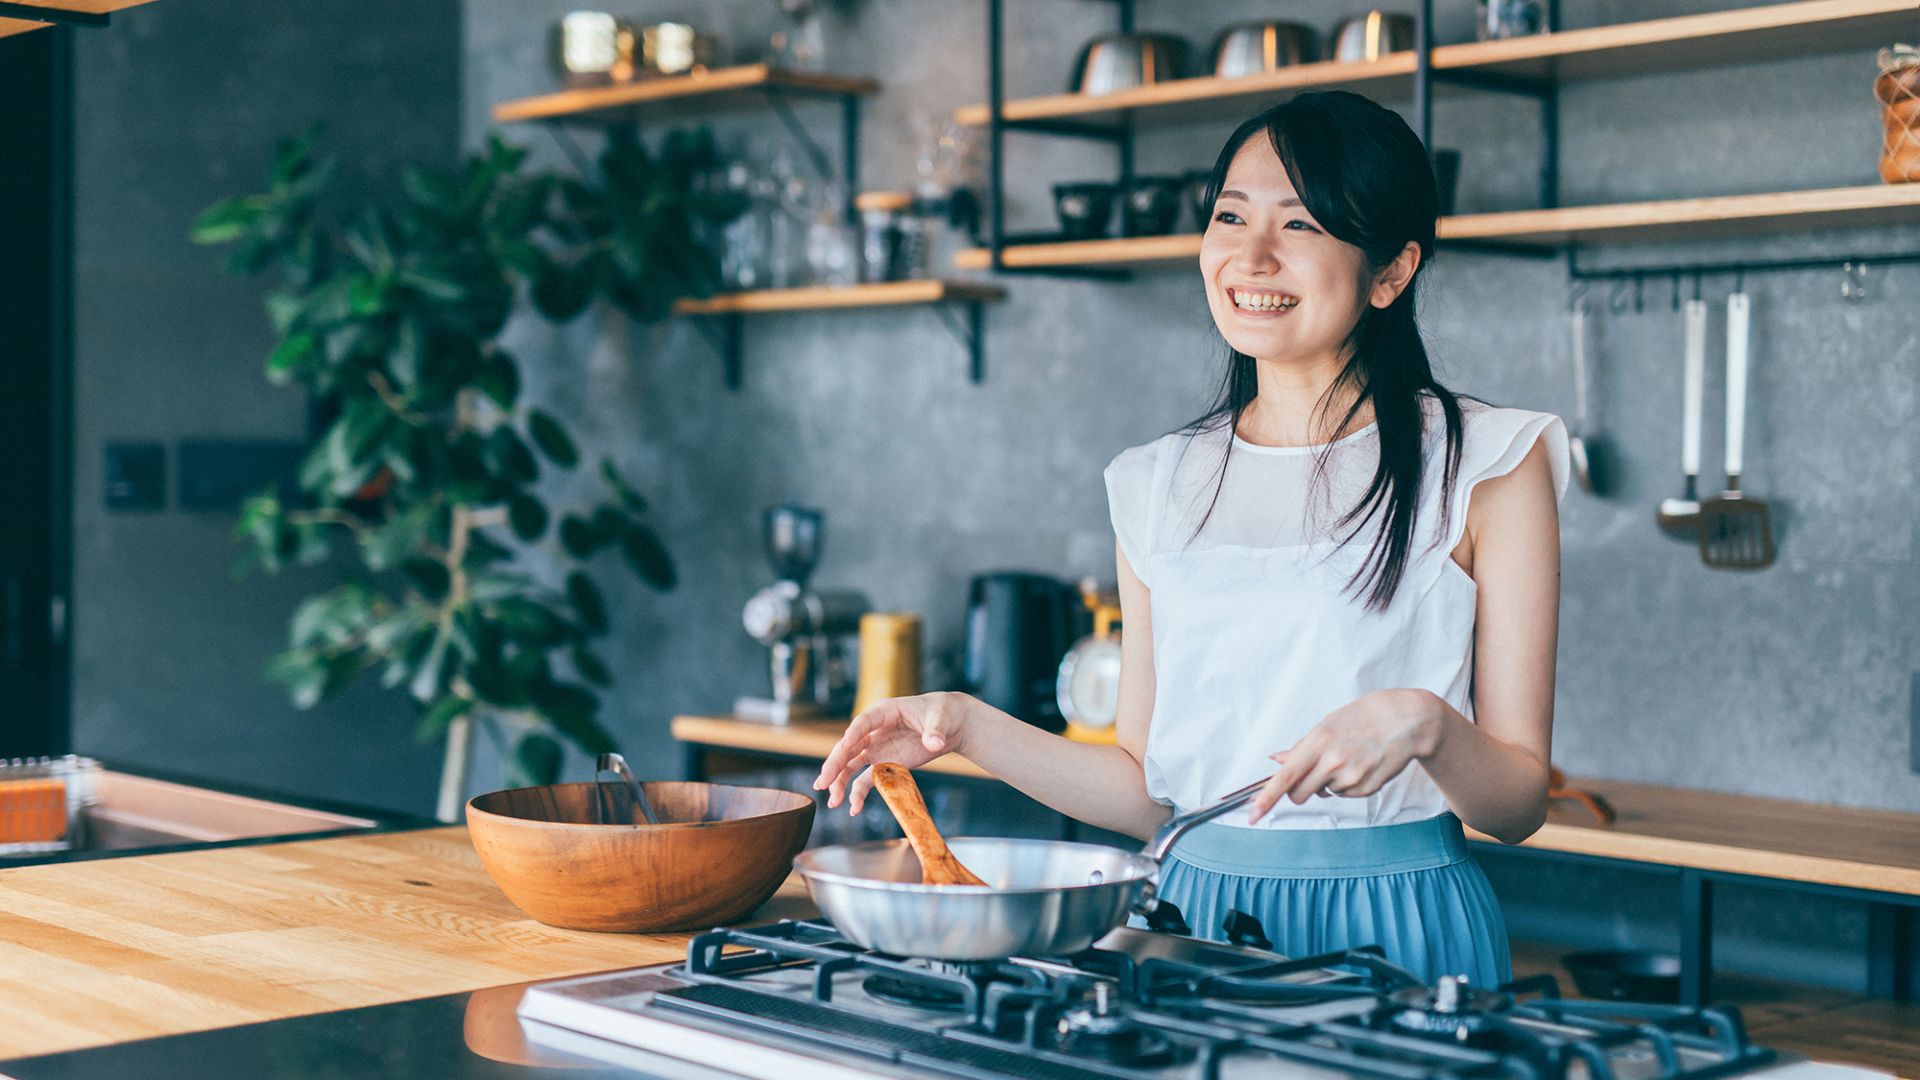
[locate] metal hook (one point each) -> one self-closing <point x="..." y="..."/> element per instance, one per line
<point x="1696" y="285"/>
<point x="1853" y="282"/>
<point x="1617" y="302"/>
<point x="1639" y="293"/>
<point x="1576" y="294"/>
<point x="1676" y="291"/>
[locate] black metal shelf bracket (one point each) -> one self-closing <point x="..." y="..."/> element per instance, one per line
<point x="971" y="334"/>
<point x="62" y="16"/>
<point x="726" y="339"/>
<point x="1121" y="135"/>
<point x="1852" y="268"/>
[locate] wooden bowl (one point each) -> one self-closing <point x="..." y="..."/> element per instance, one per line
<point x="718" y="853"/>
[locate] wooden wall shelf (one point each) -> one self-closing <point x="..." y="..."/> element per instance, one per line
<point x="1745" y="35"/>
<point x="1800" y="28"/>
<point x="1667" y="219"/>
<point x="716" y="89"/>
<point x="85" y="12"/>
<point x="809" y="739"/>
<point x="831" y="297"/>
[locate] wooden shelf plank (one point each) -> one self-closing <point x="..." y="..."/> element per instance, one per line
<point x="1116" y="253"/>
<point x="1772" y="31"/>
<point x="1668" y="219"/>
<point x="1767" y="32"/>
<point x="713" y="89"/>
<point x="9" y="27"/>
<point x="1206" y="97"/>
<point x="811" y="739"/>
<point x="829" y="297"/>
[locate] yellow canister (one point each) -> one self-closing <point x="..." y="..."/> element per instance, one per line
<point x="889" y="657"/>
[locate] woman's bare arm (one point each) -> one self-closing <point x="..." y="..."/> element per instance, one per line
<point x="1493" y="769"/>
<point x="1104" y="786"/>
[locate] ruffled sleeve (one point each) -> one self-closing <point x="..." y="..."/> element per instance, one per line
<point x="1494" y="443"/>
<point x="1130" y="503"/>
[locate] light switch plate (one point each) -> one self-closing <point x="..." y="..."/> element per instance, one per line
<point x="136" y="476"/>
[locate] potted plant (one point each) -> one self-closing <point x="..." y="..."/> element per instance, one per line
<point x="423" y="475"/>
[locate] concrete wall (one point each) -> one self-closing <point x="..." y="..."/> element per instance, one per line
<point x="1792" y="682"/>
<point x="179" y="105"/>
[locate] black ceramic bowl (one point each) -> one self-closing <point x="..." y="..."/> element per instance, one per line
<point x="1196" y="193"/>
<point x="1625" y="974"/>
<point x="1084" y="209"/>
<point x="1151" y="206"/>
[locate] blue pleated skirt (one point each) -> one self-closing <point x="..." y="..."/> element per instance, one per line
<point x="1411" y="889"/>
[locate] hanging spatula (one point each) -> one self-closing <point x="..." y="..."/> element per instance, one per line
<point x="1736" y="532"/>
<point x="938" y="864"/>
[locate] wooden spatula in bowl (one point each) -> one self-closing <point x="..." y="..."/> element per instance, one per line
<point x="938" y="864"/>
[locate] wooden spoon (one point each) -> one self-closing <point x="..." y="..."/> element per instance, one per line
<point x="938" y="865"/>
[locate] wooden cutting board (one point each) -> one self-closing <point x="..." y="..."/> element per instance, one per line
<point x="106" y="951"/>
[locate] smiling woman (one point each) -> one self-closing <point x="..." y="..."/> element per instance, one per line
<point x="1331" y="612"/>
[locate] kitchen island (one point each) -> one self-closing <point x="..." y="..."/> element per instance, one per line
<point x="94" y="953"/>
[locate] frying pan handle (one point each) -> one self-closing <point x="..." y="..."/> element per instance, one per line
<point x="1178" y="825"/>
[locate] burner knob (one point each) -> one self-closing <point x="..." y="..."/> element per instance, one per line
<point x="1245" y="931"/>
<point x="1446" y="993"/>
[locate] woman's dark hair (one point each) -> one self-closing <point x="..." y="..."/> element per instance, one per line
<point x="1366" y="179"/>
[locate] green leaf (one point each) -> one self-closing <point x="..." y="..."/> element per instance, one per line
<point x="621" y="488"/>
<point x="429" y="679"/>
<point x="587" y="602"/>
<point x="570" y="709"/>
<point x="591" y="667"/>
<point x="228" y="219"/>
<point x="436" y="720"/>
<point x="499" y="378"/>
<point x="408" y="356"/>
<point x="531" y="622"/>
<point x="528" y="516"/>
<point x="429" y="576"/>
<point x="563" y="292"/>
<point x="648" y="557"/>
<point x="552" y="439"/>
<point x="577" y="537"/>
<point x="510" y="457"/>
<point x="536" y="760"/>
<point x="400" y="536"/>
<point x="291" y="357"/>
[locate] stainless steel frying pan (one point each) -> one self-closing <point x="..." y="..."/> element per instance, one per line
<point x="1042" y="897"/>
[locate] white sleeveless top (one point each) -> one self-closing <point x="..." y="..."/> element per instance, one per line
<point x="1257" y="635"/>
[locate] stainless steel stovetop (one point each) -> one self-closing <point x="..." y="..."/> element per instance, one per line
<point x="794" y="1000"/>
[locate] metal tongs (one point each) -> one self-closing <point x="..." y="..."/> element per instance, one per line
<point x="604" y="801"/>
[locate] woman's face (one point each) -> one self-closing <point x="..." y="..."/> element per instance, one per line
<point x="1279" y="287"/>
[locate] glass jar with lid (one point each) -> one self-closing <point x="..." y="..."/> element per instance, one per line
<point x="883" y="235"/>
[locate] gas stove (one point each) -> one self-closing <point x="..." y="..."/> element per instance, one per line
<point x="795" y="1000"/>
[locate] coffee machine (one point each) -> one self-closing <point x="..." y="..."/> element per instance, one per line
<point x="811" y="635"/>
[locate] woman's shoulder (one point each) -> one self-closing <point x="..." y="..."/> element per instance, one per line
<point x="1168" y="450"/>
<point x="1495" y="438"/>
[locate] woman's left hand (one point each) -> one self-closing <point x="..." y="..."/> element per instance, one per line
<point x="1356" y="749"/>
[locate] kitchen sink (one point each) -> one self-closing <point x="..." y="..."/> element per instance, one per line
<point x="141" y="812"/>
<point x="71" y="808"/>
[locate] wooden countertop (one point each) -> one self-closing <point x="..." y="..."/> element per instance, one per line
<point x="1702" y="830"/>
<point x="110" y="950"/>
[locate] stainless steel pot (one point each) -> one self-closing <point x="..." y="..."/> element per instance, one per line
<point x="1114" y="62"/>
<point x="1042" y="897"/>
<point x="1370" y="35"/>
<point x="1256" y="47"/>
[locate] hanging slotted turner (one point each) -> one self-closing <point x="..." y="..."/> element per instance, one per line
<point x="1736" y="532"/>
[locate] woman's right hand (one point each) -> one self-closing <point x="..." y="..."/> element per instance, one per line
<point x="909" y="730"/>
